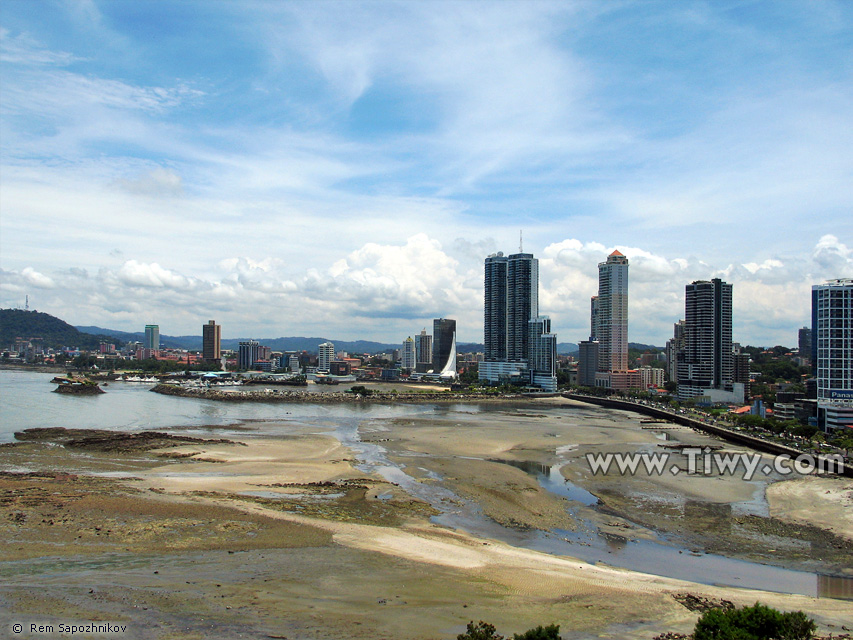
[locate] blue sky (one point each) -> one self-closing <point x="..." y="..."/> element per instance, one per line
<point x="342" y="169"/>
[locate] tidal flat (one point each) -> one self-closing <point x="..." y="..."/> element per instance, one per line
<point x="406" y="524"/>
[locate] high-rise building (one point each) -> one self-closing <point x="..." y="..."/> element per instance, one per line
<point x="542" y="353"/>
<point x="408" y="355"/>
<point x="611" y="313"/>
<point x="593" y="317"/>
<point x="325" y="356"/>
<point x="211" y="342"/>
<point x="588" y="366"/>
<point x="705" y="365"/>
<point x="444" y="347"/>
<point x="152" y="337"/>
<point x="674" y="347"/>
<point x="522" y="304"/>
<point x="832" y="340"/>
<point x="804" y="343"/>
<point x="519" y="345"/>
<point x="423" y="347"/>
<point x="495" y="308"/>
<point x="247" y="354"/>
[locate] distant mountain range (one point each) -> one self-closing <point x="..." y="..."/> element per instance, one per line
<point x="15" y="323"/>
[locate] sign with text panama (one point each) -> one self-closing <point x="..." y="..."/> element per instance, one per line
<point x="841" y="394"/>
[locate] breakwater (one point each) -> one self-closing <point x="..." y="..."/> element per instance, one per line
<point x="724" y="433"/>
<point x="328" y="397"/>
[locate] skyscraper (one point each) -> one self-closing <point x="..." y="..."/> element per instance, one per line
<point x="705" y="363"/>
<point x="832" y="341"/>
<point x="804" y="343"/>
<point x="247" y="354"/>
<point x="423" y="347"/>
<point x="522" y="304"/>
<point x="588" y="365"/>
<point x="408" y="357"/>
<point x="495" y="308"/>
<point x="610" y="311"/>
<point x="674" y="347"/>
<point x="519" y="345"/>
<point x="326" y="353"/>
<point x="444" y="347"/>
<point x="152" y="337"/>
<point x="542" y="353"/>
<point x="511" y="300"/>
<point x="211" y="342"/>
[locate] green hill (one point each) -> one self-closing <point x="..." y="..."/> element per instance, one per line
<point x="17" y="323"/>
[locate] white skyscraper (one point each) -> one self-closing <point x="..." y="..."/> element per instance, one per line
<point x="326" y="353"/>
<point x="611" y="313"/>
<point x="408" y="356"/>
<point x="832" y="344"/>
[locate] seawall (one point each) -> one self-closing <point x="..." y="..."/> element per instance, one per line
<point x="723" y="433"/>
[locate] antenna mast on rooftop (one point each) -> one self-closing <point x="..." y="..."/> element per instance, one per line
<point x="520" y="241"/>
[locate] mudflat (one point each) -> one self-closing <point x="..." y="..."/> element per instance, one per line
<point x="291" y="536"/>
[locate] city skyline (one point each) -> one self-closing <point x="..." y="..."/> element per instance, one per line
<point x="244" y="162"/>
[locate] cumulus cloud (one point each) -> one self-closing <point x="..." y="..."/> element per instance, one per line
<point x="140" y="274"/>
<point x="388" y="291"/>
<point x="35" y="279"/>
<point x="833" y="256"/>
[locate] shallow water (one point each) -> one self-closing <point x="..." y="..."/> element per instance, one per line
<point x="28" y="402"/>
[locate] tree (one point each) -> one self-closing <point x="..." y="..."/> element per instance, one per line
<point x="485" y="631"/>
<point x="551" y="632"/>
<point x="757" y="622"/>
<point x="480" y="631"/>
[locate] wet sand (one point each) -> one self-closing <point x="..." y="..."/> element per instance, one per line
<point x="287" y="537"/>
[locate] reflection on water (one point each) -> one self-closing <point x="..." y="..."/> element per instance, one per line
<point x="661" y="557"/>
<point x="834" y="587"/>
<point x="29" y="402"/>
<point x="551" y="479"/>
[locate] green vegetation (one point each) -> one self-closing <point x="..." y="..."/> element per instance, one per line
<point x="485" y="631"/>
<point x="54" y="333"/>
<point x="470" y="375"/>
<point x="360" y="390"/>
<point x="757" y="622"/>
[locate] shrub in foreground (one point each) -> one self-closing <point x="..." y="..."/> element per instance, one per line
<point x="757" y="622"/>
<point x="485" y="631"/>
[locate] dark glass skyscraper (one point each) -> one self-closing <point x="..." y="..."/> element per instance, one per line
<point x="511" y="301"/>
<point x="444" y="346"/>
<point x="522" y="304"/>
<point x="706" y="359"/>
<point x="495" y="316"/>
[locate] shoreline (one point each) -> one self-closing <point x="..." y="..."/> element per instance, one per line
<point x="296" y="531"/>
<point x="338" y="397"/>
<point x="759" y="444"/>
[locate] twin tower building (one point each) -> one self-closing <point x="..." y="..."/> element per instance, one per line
<point x="519" y="345"/>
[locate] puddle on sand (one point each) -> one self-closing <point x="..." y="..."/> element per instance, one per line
<point x="661" y="558"/>
<point x="587" y="543"/>
<point x="553" y="481"/>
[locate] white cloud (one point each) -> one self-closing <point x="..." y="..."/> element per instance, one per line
<point x="36" y="279"/>
<point x="137" y="274"/>
<point x="388" y="291"/>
